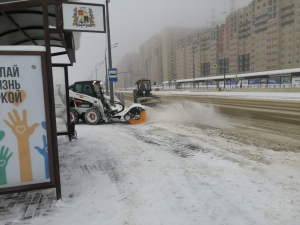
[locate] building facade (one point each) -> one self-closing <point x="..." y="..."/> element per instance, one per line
<point x="262" y="36"/>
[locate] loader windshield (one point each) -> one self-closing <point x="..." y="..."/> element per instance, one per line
<point x="98" y="91"/>
<point x="144" y="85"/>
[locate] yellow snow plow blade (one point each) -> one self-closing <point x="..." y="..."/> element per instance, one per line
<point x="140" y="120"/>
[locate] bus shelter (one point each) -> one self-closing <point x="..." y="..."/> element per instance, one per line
<point x="32" y="32"/>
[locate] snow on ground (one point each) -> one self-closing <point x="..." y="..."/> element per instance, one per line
<point x="168" y="171"/>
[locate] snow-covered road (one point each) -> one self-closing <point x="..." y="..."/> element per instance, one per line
<point x="171" y="172"/>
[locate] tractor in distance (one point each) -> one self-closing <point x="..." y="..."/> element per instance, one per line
<point x="142" y="94"/>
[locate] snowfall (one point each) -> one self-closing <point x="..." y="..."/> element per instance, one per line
<point x="170" y="171"/>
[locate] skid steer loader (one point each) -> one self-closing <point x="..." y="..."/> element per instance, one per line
<point x="88" y="103"/>
<point x="142" y="94"/>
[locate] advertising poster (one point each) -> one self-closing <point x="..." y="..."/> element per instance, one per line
<point x="209" y="83"/>
<point x="24" y="157"/>
<point x="234" y="82"/>
<point x="274" y="81"/>
<point x="296" y="80"/>
<point x="227" y="82"/>
<point x="264" y="81"/>
<point x="245" y="82"/>
<point x="254" y="81"/>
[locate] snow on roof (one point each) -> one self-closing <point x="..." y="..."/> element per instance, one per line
<point x="11" y="1"/>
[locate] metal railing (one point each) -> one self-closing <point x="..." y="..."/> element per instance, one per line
<point x="121" y="97"/>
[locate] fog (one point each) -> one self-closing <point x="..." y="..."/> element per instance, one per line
<point x="132" y="22"/>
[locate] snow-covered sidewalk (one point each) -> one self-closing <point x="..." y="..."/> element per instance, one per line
<point x="175" y="169"/>
<point x="172" y="174"/>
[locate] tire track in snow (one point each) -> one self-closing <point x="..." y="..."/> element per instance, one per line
<point x="178" y="144"/>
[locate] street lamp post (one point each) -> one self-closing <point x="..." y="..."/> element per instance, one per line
<point x="111" y="86"/>
<point x="224" y="68"/>
<point x="192" y="49"/>
<point x="92" y="74"/>
<point x="193" y="69"/>
<point x="98" y="64"/>
<point x="224" y="62"/>
<point x="106" y="79"/>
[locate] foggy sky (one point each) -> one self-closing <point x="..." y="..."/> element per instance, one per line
<point x="132" y="22"/>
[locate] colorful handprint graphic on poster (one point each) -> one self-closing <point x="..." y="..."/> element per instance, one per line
<point x="44" y="152"/>
<point x="4" y="157"/>
<point x="2" y="134"/>
<point x="22" y="132"/>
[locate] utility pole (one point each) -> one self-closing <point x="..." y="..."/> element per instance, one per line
<point x="192" y="50"/>
<point x="218" y="47"/>
<point x="147" y="69"/>
<point x="224" y="68"/>
<point x="106" y="79"/>
<point x="111" y="86"/>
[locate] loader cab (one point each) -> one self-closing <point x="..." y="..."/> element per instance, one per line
<point x="90" y="88"/>
<point x="143" y="87"/>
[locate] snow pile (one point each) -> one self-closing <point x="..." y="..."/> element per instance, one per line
<point x="186" y="112"/>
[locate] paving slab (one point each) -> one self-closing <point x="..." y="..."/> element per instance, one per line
<point x="20" y="208"/>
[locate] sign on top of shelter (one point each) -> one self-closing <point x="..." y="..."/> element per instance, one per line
<point x="84" y="17"/>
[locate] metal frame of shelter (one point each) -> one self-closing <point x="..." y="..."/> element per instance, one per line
<point x="39" y="23"/>
<point x="27" y="23"/>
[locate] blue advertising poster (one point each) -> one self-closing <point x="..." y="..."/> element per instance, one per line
<point x="227" y="82"/>
<point x="254" y="81"/>
<point x="234" y="82"/>
<point x="274" y="80"/>
<point x="209" y="82"/>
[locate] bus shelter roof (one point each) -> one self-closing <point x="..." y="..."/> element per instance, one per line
<point x="22" y="23"/>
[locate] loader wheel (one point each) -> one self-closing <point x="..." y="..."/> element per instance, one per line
<point x="92" y="116"/>
<point x="74" y="116"/>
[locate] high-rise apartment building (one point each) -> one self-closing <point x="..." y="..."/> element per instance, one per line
<point x="264" y="35"/>
<point x="205" y="42"/>
<point x="188" y="57"/>
<point x="170" y="37"/>
<point x="151" y="59"/>
<point x="289" y="35"/>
